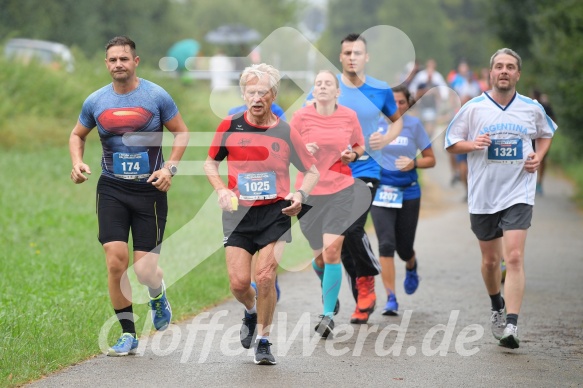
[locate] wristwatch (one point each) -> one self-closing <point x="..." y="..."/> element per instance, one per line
<point x="304" y="195"/>
<point x="172" y="168"/>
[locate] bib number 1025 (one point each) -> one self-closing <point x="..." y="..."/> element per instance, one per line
<point x="257" y="186"/>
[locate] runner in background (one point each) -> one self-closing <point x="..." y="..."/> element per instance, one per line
<point x="395" y="210"/>
<point x="428" y="100"/>
<point x="544" y="101"/>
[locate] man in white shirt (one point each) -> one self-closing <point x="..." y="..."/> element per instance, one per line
<point x="496" y="130"/>
<point x="427" y="99"/>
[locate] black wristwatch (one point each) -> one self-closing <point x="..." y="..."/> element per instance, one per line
<point x="304" y="195"/>
<point x="172" y="168"/>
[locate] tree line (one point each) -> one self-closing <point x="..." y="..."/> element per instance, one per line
<point x="546" y="33"/>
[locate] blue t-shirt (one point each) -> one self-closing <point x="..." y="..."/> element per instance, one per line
<point x="276" y="109"/>
<point x="139" y="115"/>
<point x="412" y="138"/>
<point x="368" y="101"/>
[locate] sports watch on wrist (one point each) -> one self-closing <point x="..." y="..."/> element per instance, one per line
<point x="304" y="195"/>
<point x="172" y="168"/>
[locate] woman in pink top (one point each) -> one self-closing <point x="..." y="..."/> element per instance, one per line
<point x="333" y="135"/>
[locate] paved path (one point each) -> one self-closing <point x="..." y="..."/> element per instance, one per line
<point x="441" y="338"/>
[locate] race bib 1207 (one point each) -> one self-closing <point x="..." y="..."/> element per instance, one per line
<point x="388" y="196"/>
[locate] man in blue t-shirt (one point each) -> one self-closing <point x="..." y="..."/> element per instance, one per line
<point x="130" y="114"/>
<point x="368" y="97"/>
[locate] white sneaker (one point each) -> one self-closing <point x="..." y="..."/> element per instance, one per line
<point x="498" y="320"/>
<point x="510" y="337"/>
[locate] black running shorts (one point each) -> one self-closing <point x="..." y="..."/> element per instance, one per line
<point x="253" y="228"/>
<point x="122" y="206"/>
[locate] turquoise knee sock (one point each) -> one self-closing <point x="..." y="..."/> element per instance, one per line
<point x="331" y="286"/>
<point x="319" y="270"/>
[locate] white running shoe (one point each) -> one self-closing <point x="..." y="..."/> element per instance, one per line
<point x="498" y="320"/>
<point x="510" y="337"/>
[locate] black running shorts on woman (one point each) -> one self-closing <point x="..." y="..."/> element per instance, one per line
<point x="122" y="206"/>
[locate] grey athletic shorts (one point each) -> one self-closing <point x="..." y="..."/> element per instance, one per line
<point x="488" y="227"/>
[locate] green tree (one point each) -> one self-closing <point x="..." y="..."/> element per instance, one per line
<point x="198" y="17"/>
<point x="470" y="35"/>
<point x="555" y="47"/>
<point x="445" y="30"/>
<point x="547" y="34"/>
<point x="89" y="24"/>
<point x="512" y="23"/>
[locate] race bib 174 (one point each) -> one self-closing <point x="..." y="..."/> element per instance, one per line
<point x="131" y="165"/>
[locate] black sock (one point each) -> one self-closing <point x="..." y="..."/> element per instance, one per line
<point x="126" y="319"/>
<point x="414" y="267"/>
<point x="497" y="302"/>
<point x="512" y="318"/>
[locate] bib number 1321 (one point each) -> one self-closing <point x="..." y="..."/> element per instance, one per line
<point x="506" y="151"/>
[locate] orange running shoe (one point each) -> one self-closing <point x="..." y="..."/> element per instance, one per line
<point x="359" y="316"/>
<point x="366" y="295"/>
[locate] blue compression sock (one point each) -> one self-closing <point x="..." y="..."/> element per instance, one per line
<point x="319" y="270"/>
<point x="331" y="286"/>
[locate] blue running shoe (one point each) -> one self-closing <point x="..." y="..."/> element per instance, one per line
<point x="247" y="334"/>
<point x="411" y="280"/>
<point x="125" y="345"/>
<point x="263" y="354"/>
<point x="161" y="310"/>
<point x="392" y="306"/>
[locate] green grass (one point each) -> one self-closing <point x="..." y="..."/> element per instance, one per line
<point x="54" y="299"/>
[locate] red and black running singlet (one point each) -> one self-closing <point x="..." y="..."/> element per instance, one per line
<point x="258" y="158"/>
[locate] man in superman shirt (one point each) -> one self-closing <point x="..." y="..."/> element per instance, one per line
<point x="130" y="114"/>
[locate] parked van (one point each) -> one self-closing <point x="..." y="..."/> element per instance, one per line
<point x="55" y="55"/>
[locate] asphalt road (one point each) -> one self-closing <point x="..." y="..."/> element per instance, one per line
<point x="441" y="338"/>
